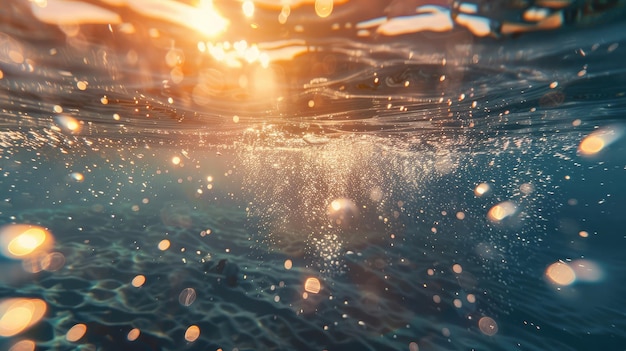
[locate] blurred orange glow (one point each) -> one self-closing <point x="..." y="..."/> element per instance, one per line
<point x="76" y="332"/>
<point x="204" y="18"/>
<point x="591" y="145"/>
<point x="323" y="8"/>
<point x="23" y="345"/>
<point x="22" y="241"/>
<point x="312" y="285"/>
<point x="164" y="245"/>
<point x="342" y="211"/>
<point x="18" y="314"/>
<point x="560" y="273"/>
<point x="581" y="270"/>
<point x="501" y="211"/>
<point x="77" y="177"/>
<point x="133" y="334"/>
<point x="192" y="333"/>
<point x="67" y="124"/>
<point x="248" y="8"/>
<point x="481" y="189"/>
<point x="457" y="268"/>
<point x="598" y="140"/>
<point x="138" y="281"/>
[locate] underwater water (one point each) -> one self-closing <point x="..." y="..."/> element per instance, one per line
<point x="308" y="175"/>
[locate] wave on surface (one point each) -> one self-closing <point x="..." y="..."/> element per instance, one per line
<point x="134" y="67"/>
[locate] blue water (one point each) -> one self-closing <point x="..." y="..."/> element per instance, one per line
<point x="325" y="189"/>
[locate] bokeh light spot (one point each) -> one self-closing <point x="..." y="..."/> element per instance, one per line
<point x="527" y="188"/>
<point x="323" y="8"/>
<point x="23" y="345"/>
<point x="133" y="334"/>
<point x="312" y="285"/>
<point x="561" y="273"/>
<point x="164" y="244"/>
<point x="457" y="303"/>
<point x="21" y="241"/>
<point x="248" y="8"/>
<point x="481" y="189"/>
<point x="67" y="124"/>
<point x="591" y="145"/>
<point x="192" y="333"/>
<point x="456" y="268"/>
<point x="76" y="332"/>
<point x="138" y="281"/>
<point x="342" y="212"/>
<point x="598" y="140"/>
<point x="501" y="211"/>
<point x="77" y="177"/>
<point x="18" y="314"/>
<point x="488" y="326"/>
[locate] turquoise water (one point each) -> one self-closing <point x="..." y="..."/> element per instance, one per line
<point x="322" y="185"/>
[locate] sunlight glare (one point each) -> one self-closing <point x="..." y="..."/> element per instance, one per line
<point x="206" y="20"/>
<point x="323" y="8"/>
<point x="203" y="18"/>
<point x="481" y="189"/>
<point x="312" y="285"/>
<point x="248" y="8"/>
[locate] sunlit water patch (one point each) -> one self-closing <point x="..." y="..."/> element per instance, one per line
<point x="311" y="175"/>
